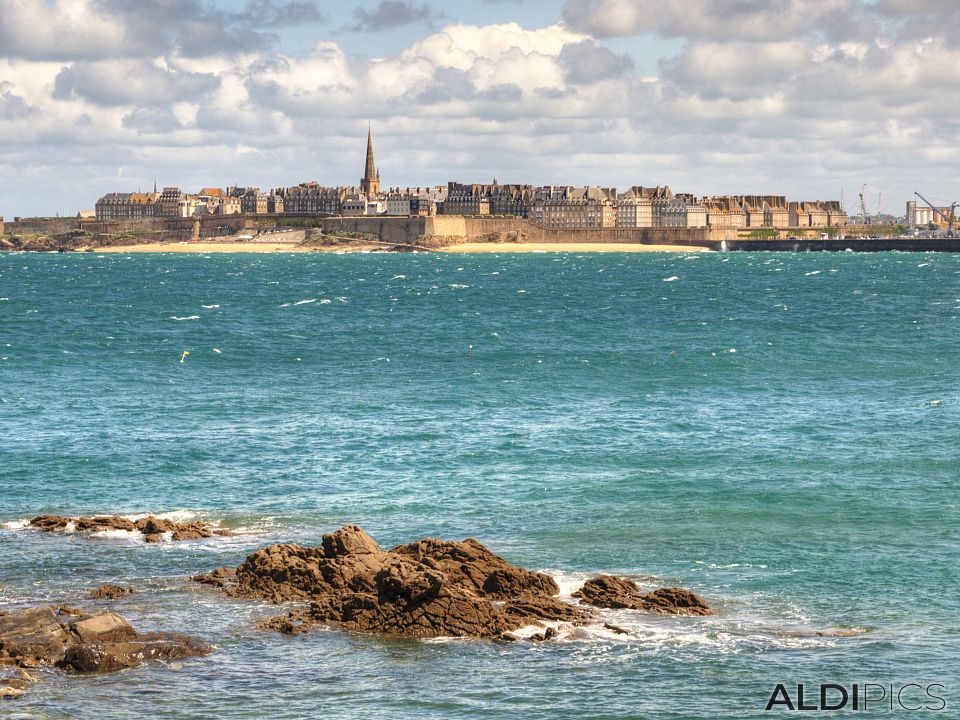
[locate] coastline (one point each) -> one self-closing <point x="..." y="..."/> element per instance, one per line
<point x="469" y="247"/>
<point x="474" y="247"/>
<point x="205" y="247"/>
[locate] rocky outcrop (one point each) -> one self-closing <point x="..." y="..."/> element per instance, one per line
<point x="608" y="591"/>
<point x="110" y="592"/>
<point x="152" y="528"/>
<point x="82" y="643"/>
<point x="427" y="588"/>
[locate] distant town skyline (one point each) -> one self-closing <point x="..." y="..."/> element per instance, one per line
<point x="805" y="98"/>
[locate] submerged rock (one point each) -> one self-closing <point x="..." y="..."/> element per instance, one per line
<point x="427" y="588"/>
<point x="609" y="591"/>
<point x="153" y="529"/>
<point x="110" y="592"/>
<point x="84" y="644"/>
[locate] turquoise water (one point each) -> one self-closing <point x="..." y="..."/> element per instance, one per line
<point x="778" y="432"/>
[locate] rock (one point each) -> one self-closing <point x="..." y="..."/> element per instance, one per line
<point x="153" y="529"/>
<point x="6" y="691"/>
<point x="112" y="656"/>
<point x="110" y="592"/>
<point x="108" y="627"/>
<point x="98" y="643"/>
<point x="218" y="578"/>
<point x="36" y="633"/>
<point x="425" y="589"/>
<point x="609" y="591"/>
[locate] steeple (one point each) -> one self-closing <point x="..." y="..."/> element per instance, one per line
<point x="370" y="184"/>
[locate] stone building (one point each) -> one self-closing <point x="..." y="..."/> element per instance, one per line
<point x="573" y="207"/>
<point x="799" y="217"/>
<point x="776" y="212"/>
<point x="487" y="199"/>
<point x="724" y="211"/>
<point x="463" y="199"/>
<point x="836" y="215"/>
<point x="635" y="208"/>
<point x="127" y="206"/>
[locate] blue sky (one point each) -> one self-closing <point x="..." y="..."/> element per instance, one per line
<point x="805" y="98"/>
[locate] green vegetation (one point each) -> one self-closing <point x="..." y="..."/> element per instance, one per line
<point x="299" y="222"/>
<point x="767" y="234"/>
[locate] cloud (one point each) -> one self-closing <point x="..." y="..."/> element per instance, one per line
<point x="12" y="106"/>
<point x="281" y="13"/>
<point x="793" y="101"/>
<point x="717" y="19"/>
<point x="103" y="29"/>
<point x="587" y="62"/>
<point x="130" y="82"/>
<point x="389" y="14"/>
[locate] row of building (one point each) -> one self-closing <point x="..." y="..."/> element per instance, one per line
<point x="559" y="206"/>
<point x="551" y="206"/>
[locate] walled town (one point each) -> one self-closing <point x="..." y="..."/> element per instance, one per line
<point x="441" y="215"/>
<point x="559" y="206"/>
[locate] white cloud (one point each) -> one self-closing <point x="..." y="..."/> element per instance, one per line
<point x="787" y="101"/>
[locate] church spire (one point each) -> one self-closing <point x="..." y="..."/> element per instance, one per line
<point x="370" y="184"/>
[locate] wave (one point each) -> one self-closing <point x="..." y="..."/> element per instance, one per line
<point x="737" y="626"/>
<point x="189" y="317"/>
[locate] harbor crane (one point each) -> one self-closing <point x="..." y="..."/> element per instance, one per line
<point x="948" y="220"/>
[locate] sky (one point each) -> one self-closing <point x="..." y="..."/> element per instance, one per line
<point x="812" y="99"/>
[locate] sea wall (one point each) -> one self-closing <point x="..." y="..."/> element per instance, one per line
<point x="388" y="229"/>
<point x="648" y="236"/>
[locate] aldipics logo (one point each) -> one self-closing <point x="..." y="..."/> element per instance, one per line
<point x="860" y="697"/>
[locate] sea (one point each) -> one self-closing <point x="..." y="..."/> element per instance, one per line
<point x="778" y="432"/>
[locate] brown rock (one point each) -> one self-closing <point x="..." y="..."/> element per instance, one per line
<point x="609" y="591"/>
<point x="425" y="589"/>
<point x="218" y="578"/>
<point x="100" y="643"/>
<point x="102" y="657"/>
<point x="110" y="592"/>
<point x="152" y="528"/>
<point x="36" y="633"/>
<point x="108" y="627"/>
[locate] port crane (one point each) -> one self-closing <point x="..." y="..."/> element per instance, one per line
<point x="948" y="220"/>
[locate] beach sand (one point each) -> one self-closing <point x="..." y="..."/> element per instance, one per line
<point x="205" y="247"/>
<point x="475" y="247"/>
<point x="567" y="247"/>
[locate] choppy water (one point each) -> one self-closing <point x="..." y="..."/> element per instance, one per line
<point x="778" y="432"/>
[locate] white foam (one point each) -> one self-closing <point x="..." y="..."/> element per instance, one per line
<point x="172" y="515"/>
<point x="113" y="534"/>
<point x="209" y="307"/>
<point x="217" y="351"/>
<point x="305" y="302"/>
<point x="189" y="317"/>
<point x="325" y="301"/>
<point x="671" y="278"/>
<point x="812" y="272"/>
<point x="569" y="583"/>
<point x="16" y="524"/>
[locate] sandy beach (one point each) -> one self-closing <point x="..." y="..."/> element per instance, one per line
<point x="205" y="247"/>
<point x="474" y="247"/>
<point x="568" y="247"/>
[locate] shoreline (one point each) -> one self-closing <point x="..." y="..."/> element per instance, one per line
<point x="474" y="247"/>
<point x="463" y="248"/>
